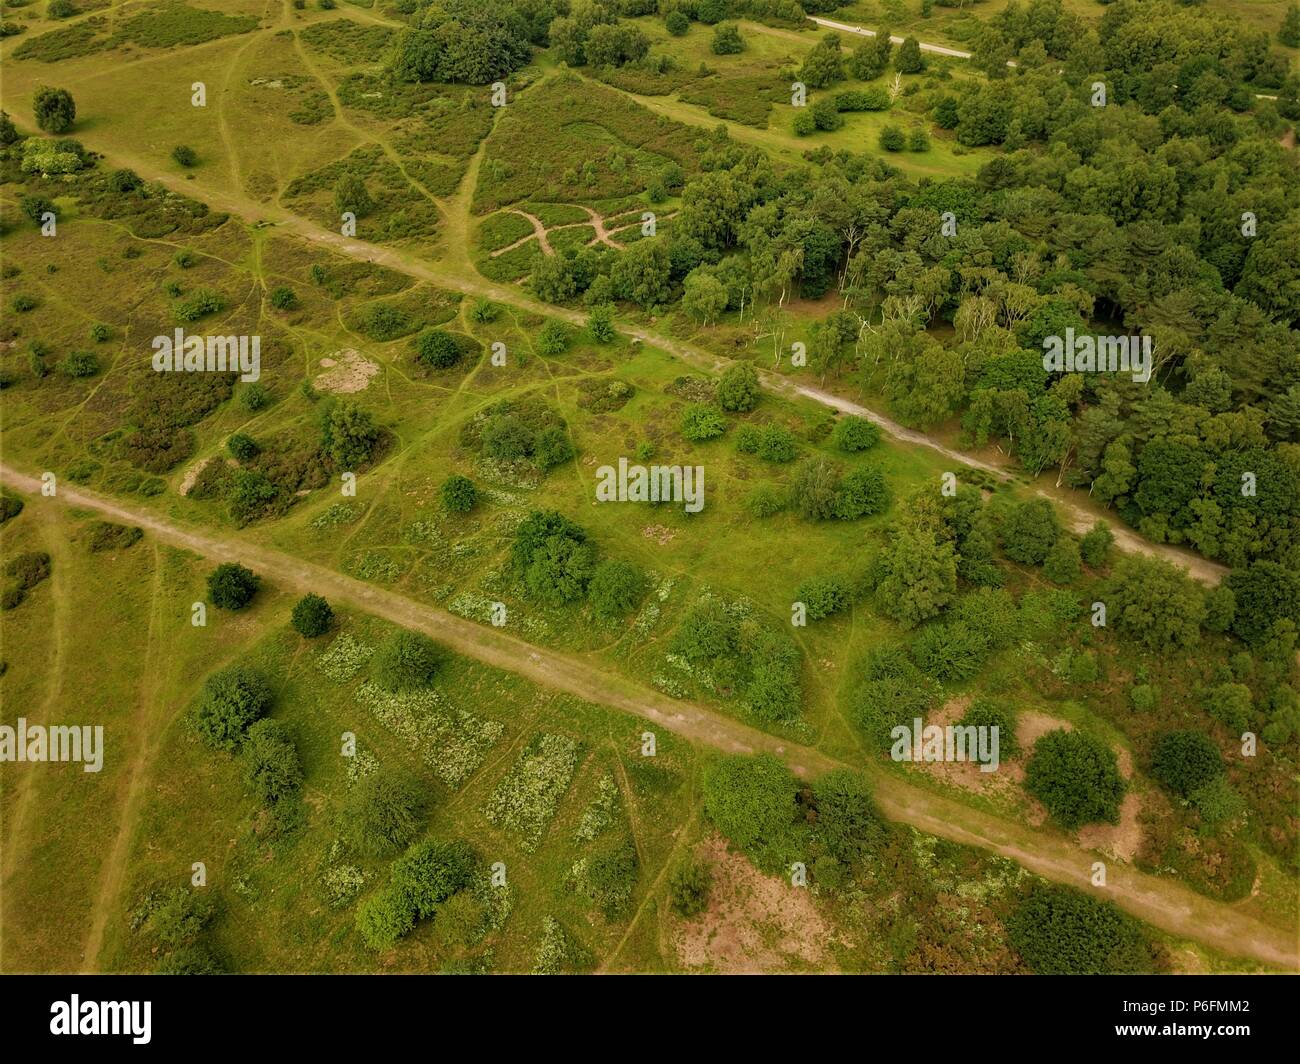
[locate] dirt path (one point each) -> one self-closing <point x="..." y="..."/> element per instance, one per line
<point x="937" y="49"/>
<point x="538" y="234"/>
<point x="1163" y="903"/>
<point x="603" y="235"/>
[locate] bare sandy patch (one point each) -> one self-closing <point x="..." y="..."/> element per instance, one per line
<point x="659" y="533"/>
<point x="755" y="923"/>
<point x="1032" y="726"/>
<point x="192" y="474"/>
<point x="346" y="372"/>
<point x="1120" y="841"/>
<point x="967" y="774"/>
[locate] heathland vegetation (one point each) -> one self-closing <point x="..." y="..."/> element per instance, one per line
<point x="419" y="693"/>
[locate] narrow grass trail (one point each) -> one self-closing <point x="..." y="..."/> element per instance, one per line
<point x="1162" y="903"/>
<point x="151" y="718"/>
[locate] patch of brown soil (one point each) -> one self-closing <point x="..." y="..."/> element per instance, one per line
<point x="192" y="474"/>
<point x="1119" y="841"/>
<point x="967" y="774"/>
<point x="1032" y="726"/>
<point x="659" y="533"/>
<point x="755" y="923"/>
<point x="346" y="372"/>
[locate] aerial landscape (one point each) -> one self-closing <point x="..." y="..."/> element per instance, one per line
<point x="650" y="487"/>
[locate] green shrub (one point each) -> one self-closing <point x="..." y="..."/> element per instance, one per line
<point x="1062" y="566"/>
<point x="853" y="434"/>
<point x="751" y="800"/>
<point x="381" y="814"/>
<point x="1184" y="761"/>
<point x="231" y="586"/>
<point x="863" y="493"/>
<point x="1029" y="531"/>
<point x="553" y="448"/>
<point x="600" y="323"/>
<point x="688" y="886"/>
<point x="243" y="447"/>
<point x="80" y="364"/>
<point x="616" y="588"/>
<point x="727" y="40"/>
<point x="848" y="822"/>
<point x="406" y="661"/>
<point x="29" y="568"/>
<point x="459" y="494"/>
<point x="312" y="616"/>
<point x="738" y="389"/>
<point x="437" y="349"/>
<point x="253" y="396"/>
<point x="55" y="110"/>
<point x="350" y="195"/>
<point x="1231" y="705"/>
<point x="231" y="700"/>
<point x="949" y="651"/>
<point x="892" y="139"/>
<point x="822" y="596"/>
<point x="506" y="436"/>
<point x="1220" y="608"/>
<point x="431" y="872"/>
<point x="985" y="713"/>
<point x="1059" y="931"/>
<point x="765" y="500"/>
<point x="553" y="339"/>
<point x="104" y="536"/>
<point x="702" y="421"/>
<point x="484" y="311"/>
<point x="1076" y="777"/>
<point x="1218" y="803"/>
<point x="384" y="919"/>
<point x="1144" y="697"/>
<point x="1095" y="545"/>
<point x="607" y="877"/>
<point x="272" y="769"/>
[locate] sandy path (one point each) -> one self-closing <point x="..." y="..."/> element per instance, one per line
<point x="538" y="234"/>
<point x="1163" y="903"/>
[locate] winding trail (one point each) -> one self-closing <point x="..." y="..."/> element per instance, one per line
<point x="1162" y="903"/>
